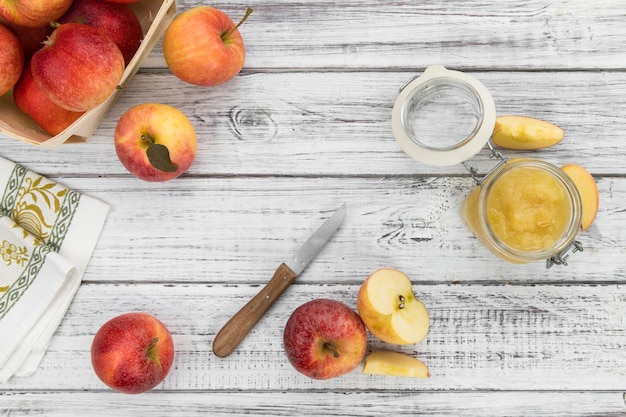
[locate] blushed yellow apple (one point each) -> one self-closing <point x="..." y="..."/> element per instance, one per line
<point x="155" y="142"/>
<point x="525" y="133"/>
<point x="588" y="190"/>
<point x="386" y="362"/>
<point x="390" y="310"/>
<point x="203" y="46"/>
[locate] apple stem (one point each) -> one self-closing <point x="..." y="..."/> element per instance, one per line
<point x="152" y="350"/>
<point x="329" y="346"/>
<point x="243" y="19"/>
<point x="401" y="299"/>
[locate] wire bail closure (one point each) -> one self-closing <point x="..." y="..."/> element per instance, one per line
<point x="494" y="154"/>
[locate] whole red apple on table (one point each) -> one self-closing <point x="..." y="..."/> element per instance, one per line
<point x="155" y="142"/>
<point x="132" y="353"/>
<point x="11" y="59"/>
<point x="33" y="13"/>
<point x="117" y="21"/>
<point x="79" y="67"/>
<point x="31" y="99"/>
<point x="203" y="46"/>
<point x="324" y="339"/>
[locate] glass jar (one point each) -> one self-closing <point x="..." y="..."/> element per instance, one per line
<point x="523" y="210"/>
<point x="526" y="210"/>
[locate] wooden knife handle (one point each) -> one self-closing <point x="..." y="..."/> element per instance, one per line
<point x="238" y="327"/>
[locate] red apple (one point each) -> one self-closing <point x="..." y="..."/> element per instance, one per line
<point x="122" y="1"/>
<point x="79" y="67"/>
<point x="33" y="13"/>
<point x="132" y="353"/>
<point x="202" y="46"/>
<point x="31" y="39"/>
<point x="324" y="339"/>
<point x="31" y="99"/>
<point x="11" y="59"/>
<point x="117" y="21"/>
<point x="155" y="142"/>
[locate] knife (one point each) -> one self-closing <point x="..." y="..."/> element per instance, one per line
<point x="238" y="327"/>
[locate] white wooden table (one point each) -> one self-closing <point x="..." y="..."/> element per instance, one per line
<point x="306" y="127"/>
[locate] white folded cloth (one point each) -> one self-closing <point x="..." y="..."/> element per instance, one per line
<point x="47" y="236"/>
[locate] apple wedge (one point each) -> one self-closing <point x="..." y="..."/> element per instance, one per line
<point x="386" y="362"/>
<point x="588" y="190"/>
<point x="525" y="133"/>
<point x="390" y="310"/>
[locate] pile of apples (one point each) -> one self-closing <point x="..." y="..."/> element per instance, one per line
<point x="325" y="338"/>
<point x="64" y="57"/>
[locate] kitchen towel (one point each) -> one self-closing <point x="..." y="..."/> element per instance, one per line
<point x="47" y="236"/>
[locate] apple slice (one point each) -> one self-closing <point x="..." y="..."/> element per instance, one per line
<point x="588" y="190"/>
<point x="525" y="133"/>
<point x="389" y="309"/>
<point x="386" y="362"/>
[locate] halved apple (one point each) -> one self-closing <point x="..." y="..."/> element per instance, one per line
<point x="390" y="310"/>
<point x="525" y="133"/>
<point x="386" y="362"/>
<point x="588" y="190"/>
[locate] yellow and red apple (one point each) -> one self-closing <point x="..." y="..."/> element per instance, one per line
<point x="79" y="67"/>
<point x="525" y="133"/>
<point x="324" y="339"/>
<point x="11" y="59"/>
<point x="387" y="362"/>
<point x="588" y="191"/>
<point x="132" y="353"/>
<point x="155" y="142"/>
<point x="33" y="13"/>
<point x="390" y="310"/>
<point x="203" y="46"/>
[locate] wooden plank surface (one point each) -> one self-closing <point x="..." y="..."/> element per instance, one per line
<point x="240" y="229"/>
<point x="286" y="123"/>
<point x="306" y="127"/>
<point x="305" y="403"/>
<point x="529" y="34"/>
<point x="483" y="338"/>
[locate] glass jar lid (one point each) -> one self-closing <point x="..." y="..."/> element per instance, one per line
<point x="443" y="117"/>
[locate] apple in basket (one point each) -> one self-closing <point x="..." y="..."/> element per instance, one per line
<point x="203" y="46"/>
<point x="324" y="339"/>
<point x="132" y="353"/>
<point x="117" y="21"/>
<point x="33" y="13"/>
<point x="79" y="67"/>
<point x="31" y="39"/>
<point x="32" y="100"/>
<point x="155" y="142"/>
<point x="11" y="59"/>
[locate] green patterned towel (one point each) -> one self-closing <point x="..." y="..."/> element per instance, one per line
<point x="47" y="235"/>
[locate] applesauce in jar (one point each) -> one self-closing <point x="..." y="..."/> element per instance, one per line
<point x="526" y="210"/>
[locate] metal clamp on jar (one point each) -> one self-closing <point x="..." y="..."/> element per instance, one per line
<point x="523" y="210"/>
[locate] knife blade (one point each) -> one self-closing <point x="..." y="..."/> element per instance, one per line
<point x="239" y="325"/>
